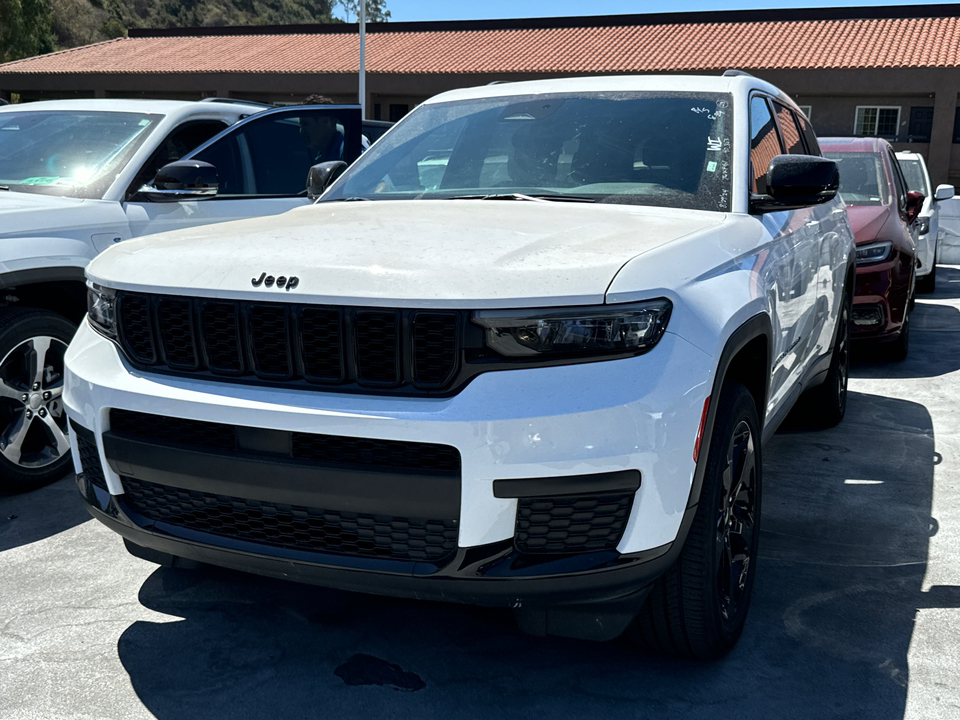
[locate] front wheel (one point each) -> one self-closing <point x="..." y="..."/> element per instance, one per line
<point x="34" y="449"/>
<point x="698" y="607"/>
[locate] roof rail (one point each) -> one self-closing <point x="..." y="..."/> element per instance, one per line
<point x="733" y="72"/>
<point x="236" y="101"/>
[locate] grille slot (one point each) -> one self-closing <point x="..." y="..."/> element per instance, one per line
<point x="221" y="337"/>
<point x="135" y="327"/>
<point x="173" y="431"/>
<point x="269" y="330"/>
<point x="382" y="454"/>
<point x="291" y="526"/>
<point x="572" y="524"/>
<point x="325" y="347"/>
<point x="177" y="337"/>
<point x="434" y="348"/>
<point x="378" y="347"/>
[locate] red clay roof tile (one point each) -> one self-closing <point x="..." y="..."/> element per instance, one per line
<point x="677" y="46"/>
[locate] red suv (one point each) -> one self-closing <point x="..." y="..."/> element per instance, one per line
<point x="882" y="214"/>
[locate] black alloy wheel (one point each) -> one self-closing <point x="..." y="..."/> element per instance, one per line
<point x="34" y="448"/>
<point x="826" y="404"/>
<point x="698" y="607"/>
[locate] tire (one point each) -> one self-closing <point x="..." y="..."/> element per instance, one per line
<point x="697" y="609"/>
<point x="34" y="449"/>
<point x="928" y="283"/>
<point x="825" y="406"/>
<point x="897" y="350"/>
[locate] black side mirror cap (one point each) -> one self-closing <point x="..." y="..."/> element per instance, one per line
<point x="797" y="181"/>
<point x="321" y="177"/>
<point x="183" y="180"/>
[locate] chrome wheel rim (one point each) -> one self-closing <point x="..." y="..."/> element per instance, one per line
<point x="32" y="418"/>
<point x="736" y="522"/>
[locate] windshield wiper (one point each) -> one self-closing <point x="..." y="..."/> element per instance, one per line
<point x="4" y="187"/>
<point x="533" y="197"/>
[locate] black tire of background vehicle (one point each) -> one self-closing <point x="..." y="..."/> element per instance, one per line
<point x="825" y="406"/>
<point x="32" y="418"/>
<point x="897" y="349"/>
<point x="928" y="283"/>
<point x="698" y="607"/>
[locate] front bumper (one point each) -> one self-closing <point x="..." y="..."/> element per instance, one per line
<point x="519" y="427"/>
<point x="884" y="288"/>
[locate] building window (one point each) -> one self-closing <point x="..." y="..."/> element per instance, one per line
<point x="921" y="124"/>
<point x="806" y="110"/>
<point x="956" y="126"/>
<point x="877" y="121"/>
<point x="397" y="111"/>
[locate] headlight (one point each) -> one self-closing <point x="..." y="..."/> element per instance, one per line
<point x="873" y="253"/>
<point x="923" y="226"/>
<point x="101" y="305"/>
<point x="603" y="330"/>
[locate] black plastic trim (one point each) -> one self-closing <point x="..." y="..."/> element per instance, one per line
<point x="41" y="275"/>
<point x="285" y="480"/>
<point x="619" y="481"/>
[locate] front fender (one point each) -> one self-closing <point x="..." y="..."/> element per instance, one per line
<point x="42" y="259"/>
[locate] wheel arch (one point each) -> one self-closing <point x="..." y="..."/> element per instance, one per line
<point x="58" y="289"/>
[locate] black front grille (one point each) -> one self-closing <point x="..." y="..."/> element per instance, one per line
<point x="572" y="524"/>
<point x="336" y="348"/>
<point x="291" y="526"/>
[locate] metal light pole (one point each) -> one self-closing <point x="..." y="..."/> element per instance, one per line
<point x="363" y="58"/>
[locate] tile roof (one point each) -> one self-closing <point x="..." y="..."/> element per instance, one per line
<point x="594" y="47"/>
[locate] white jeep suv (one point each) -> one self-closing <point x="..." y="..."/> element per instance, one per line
<point x="523" y="353"/>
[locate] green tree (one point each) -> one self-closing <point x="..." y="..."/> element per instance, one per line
<point x="25" y="29"/>
<point x="376" y="10"/>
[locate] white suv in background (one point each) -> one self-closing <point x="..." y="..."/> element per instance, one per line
<point x="74" y="180"/>
<point x="524" y="352"/>
<point x="928" y="221"/>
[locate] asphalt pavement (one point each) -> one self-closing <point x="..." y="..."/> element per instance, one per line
<point x="856" y="610"/>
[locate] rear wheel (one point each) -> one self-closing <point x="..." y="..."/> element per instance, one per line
<point x="897" y="350"/>
<point x="34" y="449"/>
<point x="928" y="283"/>
<point x="826" y="405"/>
<point x="698" y="607"/>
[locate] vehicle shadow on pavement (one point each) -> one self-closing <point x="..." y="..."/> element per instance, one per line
<point x="843" y="553"/>
<point x="948" y="284"/>
<point x="31" y="516"/>
<point x="934" y="346"/>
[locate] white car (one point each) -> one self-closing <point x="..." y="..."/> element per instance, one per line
<point x="73" y="175"/>
<point x="524" y="352"/>
<point x="928" y="221"/>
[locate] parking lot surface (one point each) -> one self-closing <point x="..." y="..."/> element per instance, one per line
<point x="856" y="610"/>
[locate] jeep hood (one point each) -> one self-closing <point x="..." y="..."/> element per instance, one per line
<point x="867" y="221"/>
<point x="29" y="214"/>
<point x="429" y="253"/>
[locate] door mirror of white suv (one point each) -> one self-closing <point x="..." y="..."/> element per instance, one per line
<point x="322" y="175"/>
<point x="944" y="192"/>
<point x="797" y="181"/>
<point x="183" y="180"/>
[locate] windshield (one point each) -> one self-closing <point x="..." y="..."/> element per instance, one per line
<point x="915" y="176"/>
<point x="69" y="153"/>
<point x="862" y="179"/>
<point x="665" y="149"/>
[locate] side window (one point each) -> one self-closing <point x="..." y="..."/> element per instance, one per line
<point x="764" y="143"/>
<point x="792" y="138"/>
<point x="178" y="143"/>
<point x="272" y="154"/>
<point x="813" y="147"/>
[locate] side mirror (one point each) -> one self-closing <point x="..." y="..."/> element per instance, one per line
<point x="914" y="205"/>
<point x="944" y="192"/>
<point x="321" y="177"/>
<point x="183" y="180"/>
<point x="797" y="181"/>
